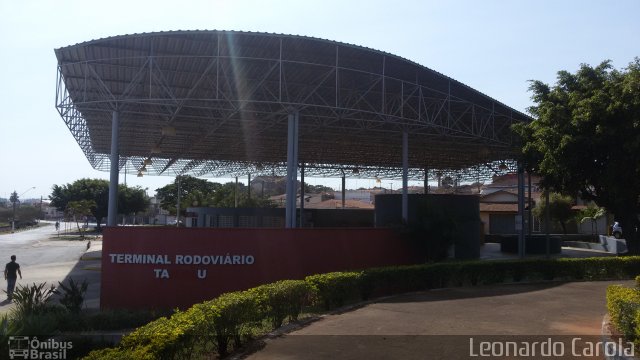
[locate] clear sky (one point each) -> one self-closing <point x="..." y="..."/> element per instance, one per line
<point x="494" y="46"/>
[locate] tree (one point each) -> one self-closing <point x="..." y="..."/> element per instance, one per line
<point x="168" y="194"/>
<point x="24" y="215"/>
<point x="559" y="210"/>
<point x="130" y="200"/>
<point x="592" y="213"/>
<point x="79" y="209"/>
<point x="198" y="192"/>
<point x="95" y="190"/>
<point x="317" y="189"/>
<point x="586" y="138"/>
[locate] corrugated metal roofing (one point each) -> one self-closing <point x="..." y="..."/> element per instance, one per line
<point x="227" y="95"/>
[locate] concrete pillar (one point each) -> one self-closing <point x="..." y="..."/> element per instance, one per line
<point x="405" y="177"/>
<point x="292" y="169"/>
<point x="426" y="180"/>
<point x="547" y="230"/>
<point x="520" y="222"/>
<point x="235" y="194"/>
<point x="112" y="210"/>
<point x="178" y="202"/>
<point x="344" y="191"/>
<point x="249" y="186"/>
<point x="302" y="195"/>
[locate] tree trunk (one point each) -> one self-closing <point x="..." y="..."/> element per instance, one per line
<point x="78" y="225"/>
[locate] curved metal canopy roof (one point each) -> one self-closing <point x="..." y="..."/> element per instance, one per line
<point x="216" y="103"/>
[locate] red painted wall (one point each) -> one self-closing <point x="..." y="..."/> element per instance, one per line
<point x="277" y="254"/>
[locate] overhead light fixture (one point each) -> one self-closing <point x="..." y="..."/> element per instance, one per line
<point x="140" y="174"/>
<point x="502" y="166"/>
<point x="147" y="161"/>
<point x="143" y="169"/>
<point x="356" y="171"/>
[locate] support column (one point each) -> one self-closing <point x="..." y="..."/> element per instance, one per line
<point x="112" y="211"/>
<point x="292" y="169"/>
<point x="529" y="203"/>
<point x="178" y="202"/>
<point x="547" y="230"/>
<point x="405" y="177"/>
<point x="235" y="194"/>
<point x="426" y="180"/>
<point x="344" y="191"/>
<point x="521" y="213"/>
<point x="302" y="195"/>
<point x="249" y="186"/>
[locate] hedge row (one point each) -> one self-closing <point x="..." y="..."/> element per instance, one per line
<point x="231" y="319"/>
<point x="623" y="304"/>
<point x="212" y="326"/>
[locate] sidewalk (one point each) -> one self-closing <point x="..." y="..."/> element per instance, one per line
<point x="88" y="268"/>
<point x="491" y="251"/>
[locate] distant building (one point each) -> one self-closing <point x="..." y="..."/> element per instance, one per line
<point x="499" y="208"/>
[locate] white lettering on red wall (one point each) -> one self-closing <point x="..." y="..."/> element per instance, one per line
<point x="163" y="259"/>
<point x="160" y="259"/>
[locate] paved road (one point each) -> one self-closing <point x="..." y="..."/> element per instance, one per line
<point x="42" y="257"/>
<point x="440" y="324"/>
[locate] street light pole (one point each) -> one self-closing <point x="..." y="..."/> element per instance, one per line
<point x="14" y="199"/>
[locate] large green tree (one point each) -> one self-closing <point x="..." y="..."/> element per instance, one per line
<point x="168" y="194"/>
<point x="130" y="200"/>
<point x="586" y="138"/>
<point x="96" y="190"/>
<point x="559" y="210"/>
<point x="199" y="192"/>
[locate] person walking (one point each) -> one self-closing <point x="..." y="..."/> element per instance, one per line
<point x="11" y="272"/>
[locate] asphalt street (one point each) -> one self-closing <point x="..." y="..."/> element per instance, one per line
<point x="42" y="255"/>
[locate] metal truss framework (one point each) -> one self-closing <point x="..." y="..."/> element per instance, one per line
<point x="215" y="103"/>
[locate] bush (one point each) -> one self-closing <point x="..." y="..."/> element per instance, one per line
<point x="165" y="337"/>
<point x="32" y="299"/>
<point x="231" y="316"/>
<point x="72" y="295"/>
<point x="334" y="289"/>
<point x="118" y="354"/>
<point x="226" y="319"/>
<point x="282" y="299"/>
<point x="120" y="319"/>
<point x="624" y="309"/>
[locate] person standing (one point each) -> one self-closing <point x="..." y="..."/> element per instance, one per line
<point x="11" y="272"/>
